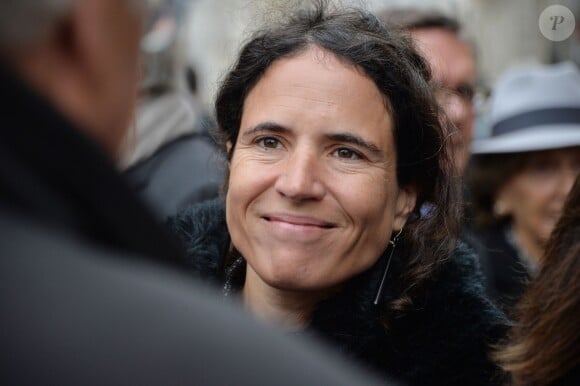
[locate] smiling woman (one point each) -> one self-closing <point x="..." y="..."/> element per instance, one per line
<point x="334" y="144"/>
<point x="318" y="179"/>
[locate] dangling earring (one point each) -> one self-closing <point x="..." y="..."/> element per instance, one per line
<point x="392" y="245"/>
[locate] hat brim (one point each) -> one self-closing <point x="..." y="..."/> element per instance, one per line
<point x="539" y="138"/>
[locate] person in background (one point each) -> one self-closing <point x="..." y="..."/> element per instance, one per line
<point x="172" y="160"/>
<point x="334" y="143"/>
<point x="89" y="288"/>
<point x="452" y="61"/>
<point x="544" y="345"/>
<point x="522" y="173"/>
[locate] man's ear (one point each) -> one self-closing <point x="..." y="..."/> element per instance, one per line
<point x="51" y="62"/>
<point x="55" y="66"/>
<point x="70" y="60"/>
<point x="87" y="37"/>
<point x="406" y="200"/>
<point x="73" y="37"/>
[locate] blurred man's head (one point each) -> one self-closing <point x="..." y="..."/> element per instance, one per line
<point x="454" y="69"/>
<point x="79" y="54"/>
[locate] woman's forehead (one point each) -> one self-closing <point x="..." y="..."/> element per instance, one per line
<point x="318" y="90"/>
<point x="317" y="76"/>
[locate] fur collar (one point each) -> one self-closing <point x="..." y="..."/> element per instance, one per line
<point x="443" y="341"/>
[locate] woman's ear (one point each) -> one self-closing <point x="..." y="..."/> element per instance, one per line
<point x="406" y="200"/>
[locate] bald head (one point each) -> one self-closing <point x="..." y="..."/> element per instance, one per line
<point x="454" y="73"/>
<point x="81" y="55"/>
<point x="453" y="66"/>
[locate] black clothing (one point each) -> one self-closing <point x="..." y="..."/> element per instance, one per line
<point x="81" y="302"/>
<point x="443" y="341"/>
<point x="175" y="161"/>
<point x="571" y="378"/>
<point x="506" y="276"/>
<point x="182" y="172"/>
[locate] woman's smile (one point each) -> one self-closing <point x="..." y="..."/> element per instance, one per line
<point x="292" y="226"/>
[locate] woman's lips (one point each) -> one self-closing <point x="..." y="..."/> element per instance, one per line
<point x="298" y="220"/>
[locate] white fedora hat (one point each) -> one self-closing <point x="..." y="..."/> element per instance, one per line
<point x="534" y="109"/>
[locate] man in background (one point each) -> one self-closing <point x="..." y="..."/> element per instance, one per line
<point x="453" y="67"/>
<point x="90" y="290"/>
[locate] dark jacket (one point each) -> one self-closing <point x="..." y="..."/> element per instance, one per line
<point x="81" y="302"/>
<point x="182" y="172"/>
<point x="571" y="378"/>
<point x="182" y="164"/>
<point x="506" y="276"/>
<point x="443" y="341"/>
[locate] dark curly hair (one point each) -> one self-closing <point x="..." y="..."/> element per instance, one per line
<point x="402" y="76"/>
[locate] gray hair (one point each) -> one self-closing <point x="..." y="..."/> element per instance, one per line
<point x="416" y="18"/>
<point x="24" y="22"/>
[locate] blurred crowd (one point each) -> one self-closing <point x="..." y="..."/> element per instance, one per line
<point x="334" y="218"/>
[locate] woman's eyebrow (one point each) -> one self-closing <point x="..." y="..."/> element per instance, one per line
<point x="356" y="140"/>
<point x="338" y="137"/>
<point x="265" y="127"/>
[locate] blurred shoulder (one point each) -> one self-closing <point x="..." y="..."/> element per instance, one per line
<point x="203" y="232"/>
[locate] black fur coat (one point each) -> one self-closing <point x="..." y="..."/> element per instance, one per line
<point x="445" y="340"/>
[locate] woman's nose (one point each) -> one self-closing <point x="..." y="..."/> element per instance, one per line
<point x="299" y="178"/>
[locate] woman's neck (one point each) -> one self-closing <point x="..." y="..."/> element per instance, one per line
<point x="291" y="310"/>
<point x="531" y="246"/>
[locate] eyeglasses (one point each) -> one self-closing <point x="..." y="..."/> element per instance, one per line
<point x="465" y="92"/>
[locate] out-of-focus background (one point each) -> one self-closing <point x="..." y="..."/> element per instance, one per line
<point x="504" y="32"/>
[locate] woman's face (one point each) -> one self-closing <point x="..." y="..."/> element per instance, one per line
<point x="535" y="196"/>
<point x="313" y="196"/>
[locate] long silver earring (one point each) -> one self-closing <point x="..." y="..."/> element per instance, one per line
<point x="392" y="245"/>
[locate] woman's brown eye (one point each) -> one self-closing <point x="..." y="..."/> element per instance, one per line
<point x="269" y="142"/>
<point x="344" y="152"/>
